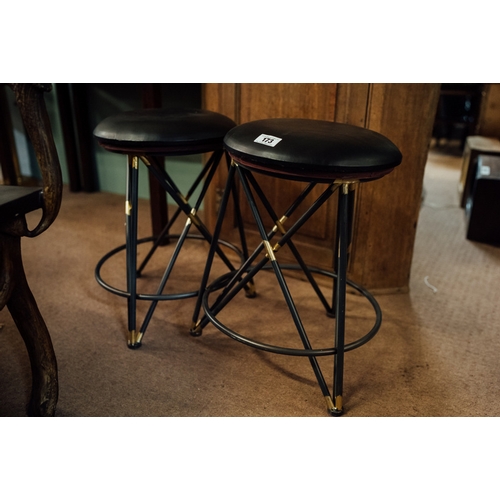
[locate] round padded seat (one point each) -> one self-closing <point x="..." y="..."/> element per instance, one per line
<point x="163" y="131"/>
<point x="304" y="149"/>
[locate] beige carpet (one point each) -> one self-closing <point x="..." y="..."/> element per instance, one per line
<point x="435" y="355"/>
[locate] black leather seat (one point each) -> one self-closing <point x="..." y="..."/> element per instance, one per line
<point x="335" y="155"/>
<point x="306" y="149"/>
<point x="163" y="131"/>
<point x="150" y="135"/>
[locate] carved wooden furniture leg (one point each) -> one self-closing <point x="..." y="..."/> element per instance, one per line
<point x="16" y="294"/>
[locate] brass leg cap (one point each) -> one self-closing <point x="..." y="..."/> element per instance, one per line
<point x="134" y="340"/>
<point x="134" y="345"/>
<point x="335" y="410"/>
<point x="250" y="291"/>
<point x="196" y="330"/>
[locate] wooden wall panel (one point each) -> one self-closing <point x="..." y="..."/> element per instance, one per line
<point x="222" y="98"/>
<point x="287" y="100"/>
<point x="352" y="103"/>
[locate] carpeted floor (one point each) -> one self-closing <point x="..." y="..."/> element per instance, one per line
<point x="436" y="353"/>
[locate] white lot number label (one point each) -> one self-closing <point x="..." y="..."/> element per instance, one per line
<point x="485" y="170"/>
<point x="267" y="140"/>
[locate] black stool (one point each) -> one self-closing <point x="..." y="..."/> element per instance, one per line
<point x="151" y="135"/>
<point x="335" y="155"/>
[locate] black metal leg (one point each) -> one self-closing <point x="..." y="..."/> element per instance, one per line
<point x="196" y="326"/>
<point x="131" y="243"/>
<point x="163" y="282"/>
<point x="350" y="223"/>
<point x="340" y="297"/>
<point x="250" y="288"/>
<point x="284" y="289"/>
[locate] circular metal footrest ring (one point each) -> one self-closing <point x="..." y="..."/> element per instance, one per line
<point x="146" y="296"/>
<point x="224" y="279"/>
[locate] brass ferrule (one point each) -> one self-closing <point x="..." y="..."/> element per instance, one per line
<point x="131" y="337"/>
<point x="338" y="403"/>
<point x="194" y="218"/>
<point x="345" y="181"/>
<point x="270" y="252"/>
<point x="145" y="161"/>
<point x="196" y="327"/>
<point x="250" y="290"/>
<point x="279" y="226"/>
<point x="135" y="162"/>
<point x="138" y="338"/>
<point x="347" y="185"/>
<point x="329" y="403"/>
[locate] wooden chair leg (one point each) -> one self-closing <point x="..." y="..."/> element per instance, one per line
<point x="29" y="321"/>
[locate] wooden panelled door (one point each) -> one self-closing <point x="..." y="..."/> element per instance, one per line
<point x="386" y="210"/>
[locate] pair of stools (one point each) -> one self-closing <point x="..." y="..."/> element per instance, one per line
<point x="335" y="156"/>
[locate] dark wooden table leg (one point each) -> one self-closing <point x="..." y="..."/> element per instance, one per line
<point x="151" y="98"/>
<point x="85" y="139"/>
